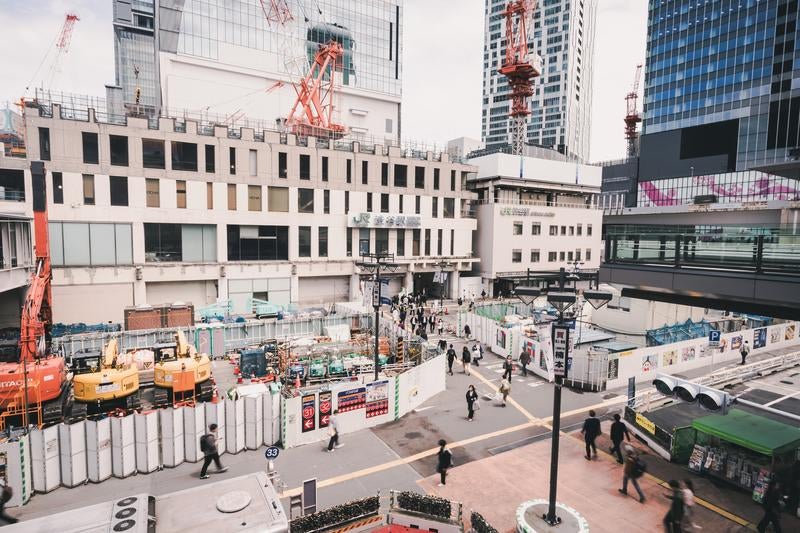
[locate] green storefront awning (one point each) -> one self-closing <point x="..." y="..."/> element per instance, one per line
<point x="750" y="431"/>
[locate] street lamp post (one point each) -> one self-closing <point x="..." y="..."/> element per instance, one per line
<point x="374" y="263"/>
<point x="442" y="265"/>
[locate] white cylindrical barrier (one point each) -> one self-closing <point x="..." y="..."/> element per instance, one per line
<point x="45" y="459"/>
<point x="172" y="449"/>
<point x="215" y="414"/>
<point x="123" y="446"/>
<point x="194" y="427"/>
<point x="98" y="449"/>
<point x="147" y="450"/>
<point x="272" y="418"/>
<point x="254" y="421"/>
<point x="234" y="425"/>
<point x="72" y="444"/>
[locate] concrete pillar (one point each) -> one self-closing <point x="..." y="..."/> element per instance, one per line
<point x="355" y="288"/>
<point x="455" y="275"/>
<point x="139" y="291"/>
<point x="294" y="288"/>
<point x="409" y="282"/>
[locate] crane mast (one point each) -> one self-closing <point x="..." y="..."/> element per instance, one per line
<point x="632" y="116"/>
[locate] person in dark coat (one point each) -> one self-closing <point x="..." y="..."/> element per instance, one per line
<point x="210" y="452"/>
<point x="466" y="358"/>
<point x="618" y="433"/>
<point x="772" y="508"/>
<point x="524" y="361"/>
<point x="472" y="397"/>
<point x="5" y="495"/>
<point x="508" y="368"/>
<point x="590" y="431"/>
<point x="451" y="357"/>
<point x="674" y="517"/>
<point x="445" y="461"/>
<point x="467" y="331"/>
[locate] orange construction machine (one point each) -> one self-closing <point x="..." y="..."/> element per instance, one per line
<point x="35" y="383"/>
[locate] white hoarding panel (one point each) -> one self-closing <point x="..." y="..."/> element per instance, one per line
<point x="45" y="460"/>
<point x="172" y="448"/>
<point x="194" y="427"/>
<point x="215" y="414"/>
<point x="98" y="449"/>
<point x="254" y="421"/>
<point x="234" y="425"/>
<point x="147" y="449"/>
<point x="123" y="446"/>
<point x="72" y="444"/>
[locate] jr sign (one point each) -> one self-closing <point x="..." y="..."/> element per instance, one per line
<point x="375" y="220"/>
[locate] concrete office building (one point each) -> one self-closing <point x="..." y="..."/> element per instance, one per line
<point x="227" y="60"/>
<point x="563" y="34"/>
<point x="535" y="213"/>
<point x="197" y="212"/>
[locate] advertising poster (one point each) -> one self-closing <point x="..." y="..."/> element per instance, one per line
<point x="542" y="360"/>
<point x="325" y="409"/>
<point x="669" y="358"/>
<point x="759" y="338"/>
<point x="309" y="413"/>
<point x="736" y="342"/>
<point x="649" y="363"/>
<point x="723" y="345"/>
<point x="352" y="399"/>
<point x="789" y="332"/>
<point x="613" y="367"/>
<point x="775" y="335"/>
<point x="688" y="354"/>
<point x="377" y="398"/>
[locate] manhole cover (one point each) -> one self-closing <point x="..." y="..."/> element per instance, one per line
<point x="234" y="501"/>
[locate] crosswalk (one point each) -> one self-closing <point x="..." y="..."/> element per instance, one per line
<point x="532" y="380"/>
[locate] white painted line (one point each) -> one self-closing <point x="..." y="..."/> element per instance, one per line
<point x="782" y="398"/>
<point x="423" y="409"/>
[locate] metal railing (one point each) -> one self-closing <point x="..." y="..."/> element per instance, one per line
<point x="537" y="203"/>
<point x="11" y="195"/>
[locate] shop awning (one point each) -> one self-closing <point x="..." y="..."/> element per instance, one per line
<point x="753" y="432"/>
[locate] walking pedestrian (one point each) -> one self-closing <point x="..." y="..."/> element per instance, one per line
<point x="5" y="496"/>
<point x="208" y="445"/>
<point x="483" y="294"/>
<point x="432" y="323"/>
<point x="772" y="507"/>
<point x="632" y="471"/>
<point x="472" y="402"/>
<point x="618" y="433"/>
<point x="508" y="368"/>
<point x="476" y="355"/>
<point x="505" y="390"/>
<point x="442" y="345"/>
<point x="466" y="358"/>
<point x="333" y="431"/>
<point x="467" y="331"/>
<point x="441" y="327"/>
<point x="524" y="361"/>
<point x="590" y="431"/>
<point x="451" y="357"/>
<point x="460" y="302"/>
<point x="445" y="461"/>
<point x="745" y="349"/>
<point x="674" y="517"/>
<point x="688" y="503"/>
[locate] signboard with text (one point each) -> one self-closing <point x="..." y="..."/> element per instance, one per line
<point x="309" y="412"/>
<point x="713" y="338"/>
<point x="324" y="409"/>
<point x="560" y="349"/>
<point x="383" y="220"/>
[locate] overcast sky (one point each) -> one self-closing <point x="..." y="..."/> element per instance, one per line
<point x="443" y="56"/>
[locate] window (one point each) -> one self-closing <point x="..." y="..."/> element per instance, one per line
<point x="324" y="168"/>
<point x="569" y="256"/>
<point x="579" y="229"/>
<point x="258" y="243"/>
<point x="163" y="242"/>
<point x="578" y="254"/>
<point x="369" y="202"/>
<point x="346" y="201"/>
<point x="401" y="242"/>
<point x="364" y="172"/>
<point x="588" y="254"/>
<point x="90" y="150"/>
<point x="349" y="171"/>
<point x="81" y="244"/>
<point x="449" y="207"/>
<point x="571" y="231"/>
<point x="401" y="203"/>
<point x="452" y="240"/>
<point x="254" y="198"/>
<point x="88" y="189"/>
<point x="210" y="163"/>
<point x="419" y="177"/>
<point x="119" y="190"/>
<point x="58" y="189"/>
<point x="278" y="199"/>
<point x="415" y="233"/>
<point x="388" y="122"/>
<point x="232" y="159"/>
<point x="231" y="197"/>
<point x="304" y="241"/>
<point x="152" y="153"/>
<point x="551" y="257"/>
<point x="363" y="241"/>
<point x="305" y="200"/>
<point x="439" y="241"/>
<point x="44" y="144"/>
<point x="323" y="240"/>
<point x="209" y="195"/>
<point x="305" y="167"/>
<point x="382" y="241"/>
<point x="536" y="229"/>
<point x="517" y="228"/>
<point x="588" y="230"/>
<point x="435" y="207"/>
<point x="326" y="201"/>
<point x="400" y="176"/>
<point x="553" y="230"/>
<point x="384" y="203"/>
<point x="180" y="193"/>
<point x="252" y="160"/>
<point x="563" y="230"/>
<point x="435" y="179"/>
<point x="385" y="174"/>
<point x="516" y="256"/>
<point x="428" y="242"/>
<point x="349" y="232"/>
<point x="416" y="205"/>
<point x="118" y="148"/>
<point x="184" y="156"/>
<point x="152" y="196"/>
<point x="452" y="180"/>
<point x="283" y="171"/>
<point x="534" y="256"/>
<point x="562" y="256"/>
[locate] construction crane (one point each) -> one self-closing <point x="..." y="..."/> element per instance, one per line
<point x="312" y="112"/>
<point x="61" y="47"/>
<point x="519" y="67"/>
<point x="632" y="116"/>
<point x="278" y="12"/>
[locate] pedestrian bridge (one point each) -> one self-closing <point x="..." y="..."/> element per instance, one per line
<point x="738" y="268"/>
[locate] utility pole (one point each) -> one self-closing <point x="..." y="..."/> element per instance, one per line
<point x="374" y="263"/>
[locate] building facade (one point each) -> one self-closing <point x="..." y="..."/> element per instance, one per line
<point x="230" y="60"/>
<point x="563" y="34"/>
<point x="198" y="213"/>
<point x="535" y="215"/>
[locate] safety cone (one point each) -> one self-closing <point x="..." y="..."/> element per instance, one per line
<point x="297" y="381"/>
<point x="215" y="396"/>
<point x="239" y="379"/>
<point x="236" y="371"/>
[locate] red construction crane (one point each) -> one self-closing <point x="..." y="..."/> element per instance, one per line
<point x="519" y="68"/>
<point x="65" y="36"/>
<point x="632" y="116"/>
<point x="278" y="12"/>
<point x="312" y="112"/>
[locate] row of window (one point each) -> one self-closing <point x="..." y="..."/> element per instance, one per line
<point x="381" y="238"/>
<point x="536" y="229"/>
<point x="552" y="257"/>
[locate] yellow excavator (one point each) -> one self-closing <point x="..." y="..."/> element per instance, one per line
<point x="102" y="382"/>
<point x="175" y="362"/>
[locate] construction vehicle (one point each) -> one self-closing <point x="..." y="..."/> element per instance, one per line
<point x="264" y="309"/>
<point x="35" y="381"/>
<point x="216" y="312"/>
<point x="103" y="382"/>
<point x="174" y="362"/>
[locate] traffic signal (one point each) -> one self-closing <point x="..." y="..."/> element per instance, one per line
<point x="687" y="391"/>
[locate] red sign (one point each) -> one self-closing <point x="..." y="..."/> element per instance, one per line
<point x="325" y="408"/>
<point x="350" y="400"/>
<point x="309" y="412"/>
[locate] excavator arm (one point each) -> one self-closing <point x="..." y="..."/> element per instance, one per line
<point x="110" y="354"/>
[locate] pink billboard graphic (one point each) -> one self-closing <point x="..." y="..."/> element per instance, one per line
<point x="731" y="187"/>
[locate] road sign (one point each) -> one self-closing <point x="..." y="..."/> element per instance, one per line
<point x="560" y="341"/>
<point x="376" y="295"/>
<point x="272" y="452"/>
<point x="713" y="338"/>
